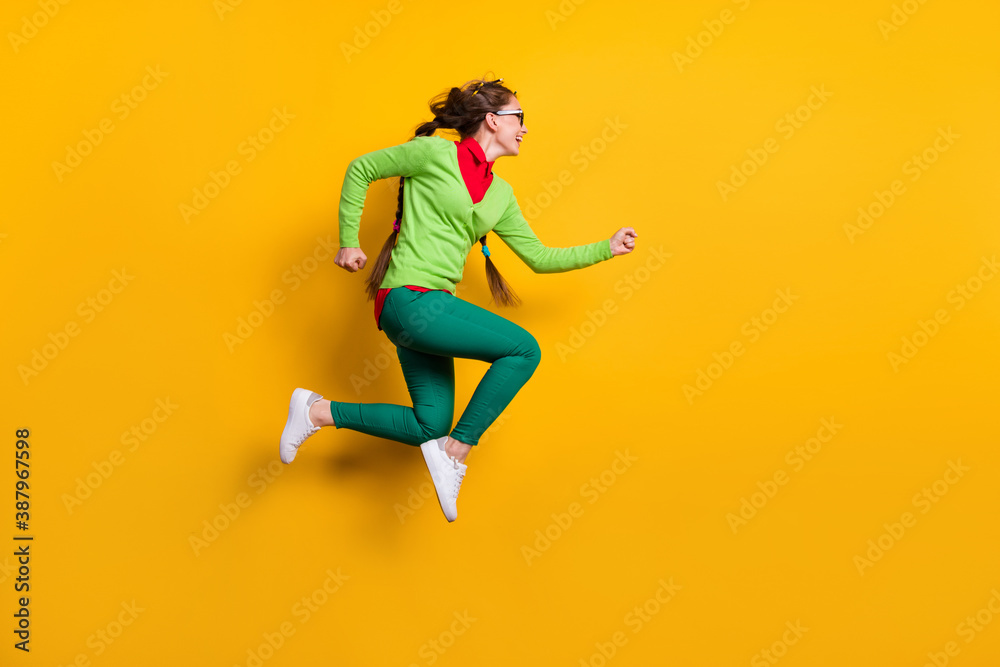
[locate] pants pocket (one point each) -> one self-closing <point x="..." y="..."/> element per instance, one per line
<point x="392" y="323"/>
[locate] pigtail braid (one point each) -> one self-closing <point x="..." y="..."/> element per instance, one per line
<point x="501" y="290"/>
<point x="381" y="265"/>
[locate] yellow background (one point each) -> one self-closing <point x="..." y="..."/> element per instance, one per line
<point x="619" y="389"/>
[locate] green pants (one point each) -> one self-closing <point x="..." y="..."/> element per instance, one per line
<point x="429" y="329"/>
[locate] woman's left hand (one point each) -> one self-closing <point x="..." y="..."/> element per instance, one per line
<point x="623" y="241"/>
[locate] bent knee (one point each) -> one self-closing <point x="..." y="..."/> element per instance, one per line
<point x="435" y="427"/>
<point x="531" y="351"/>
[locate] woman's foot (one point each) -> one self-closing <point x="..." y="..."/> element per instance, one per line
<point x="319" y="413"/>
<point x="446" y="472"/>
<point x="457" y="449"/>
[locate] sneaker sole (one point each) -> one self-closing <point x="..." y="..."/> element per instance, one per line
<point x="296" y="396"/>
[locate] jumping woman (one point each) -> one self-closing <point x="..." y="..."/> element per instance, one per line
<point x="451" y="198"/>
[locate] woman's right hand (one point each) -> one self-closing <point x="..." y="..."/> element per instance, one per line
<point x="352" y="259"/>
<point x="623" y="241"/>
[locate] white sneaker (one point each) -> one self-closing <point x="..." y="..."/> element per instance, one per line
<point x="299" y="426"/>
<point x="446" y="473"/>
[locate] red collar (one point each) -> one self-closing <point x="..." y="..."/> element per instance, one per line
<point x="477" y="151"/>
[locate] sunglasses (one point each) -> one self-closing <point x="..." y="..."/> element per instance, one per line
<point x="506" y="112"/>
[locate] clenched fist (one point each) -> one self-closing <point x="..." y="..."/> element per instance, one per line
<point x="352" y="259"/>
<point x="623" y="241"/>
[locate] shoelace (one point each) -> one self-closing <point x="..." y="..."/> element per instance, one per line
<point x="308" y="432"/>
<point x="457" y="479"/>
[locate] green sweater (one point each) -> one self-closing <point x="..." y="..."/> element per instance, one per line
<point x="440" y="223"/>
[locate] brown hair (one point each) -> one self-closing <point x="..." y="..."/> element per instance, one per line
<point x="463" y="110"/>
